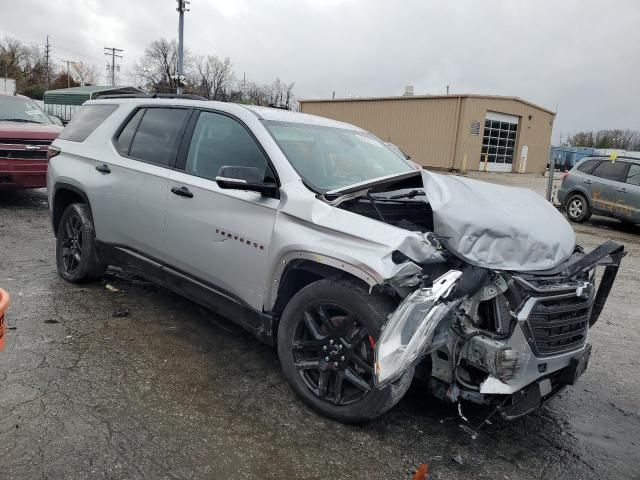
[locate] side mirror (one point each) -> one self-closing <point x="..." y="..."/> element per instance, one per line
<point x="244" y="178"/>
<point x="56" y="120"/>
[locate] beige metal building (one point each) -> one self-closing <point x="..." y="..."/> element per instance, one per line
<point x="452" y="131"/>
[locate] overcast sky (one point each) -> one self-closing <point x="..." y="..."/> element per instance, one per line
<point x="579" y="57"/>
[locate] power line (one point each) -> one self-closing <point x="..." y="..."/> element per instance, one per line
<point x="112" y="51"/>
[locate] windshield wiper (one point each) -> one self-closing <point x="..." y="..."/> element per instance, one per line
<point x="24" y="120"/>
<point x="411" y="194"/>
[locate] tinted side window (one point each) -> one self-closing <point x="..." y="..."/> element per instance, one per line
<point x="611" y="170"/>
<point x="221" y="141"/>
<point x="126" y="135"/>
<point x="85" y="121"/>
<point x="587" y="165"/>
<point x="156" y="139"/>
<point x="633" y="177"/>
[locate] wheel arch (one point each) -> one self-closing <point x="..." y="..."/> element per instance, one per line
<point x="578" y="191"/>
<point x="65" y="194"/>
<point x="299" y="269"/>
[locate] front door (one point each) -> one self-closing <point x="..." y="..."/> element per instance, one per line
<point x="217" y="235"/>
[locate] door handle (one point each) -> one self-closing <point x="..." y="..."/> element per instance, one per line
<point x="103" y="168"/>
<point x="622" y="189"/>
<point x="182" y="192"/>
<point x="587" y="181"/>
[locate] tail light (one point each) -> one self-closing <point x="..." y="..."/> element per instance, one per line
<point x="52" y="152"/>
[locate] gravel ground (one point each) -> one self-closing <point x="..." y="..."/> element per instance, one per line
<point x="171" y="391"/>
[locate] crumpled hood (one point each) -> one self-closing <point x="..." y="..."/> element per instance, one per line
<point x="498" y="227"/>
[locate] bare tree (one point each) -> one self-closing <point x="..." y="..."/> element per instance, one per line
<point x="212" y="77"/>
<point x="84" y="73"/>
<point x="258" y="94"/>
<point x="617" y="138"/>
<point x="281" y="94"/>
<point x="157" y="66"/>
<point x="12" y="56"/>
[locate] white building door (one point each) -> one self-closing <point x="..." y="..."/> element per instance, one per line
<point x="499" y="141"/>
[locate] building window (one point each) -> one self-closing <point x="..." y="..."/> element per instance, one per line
<point x="499" y="141"/>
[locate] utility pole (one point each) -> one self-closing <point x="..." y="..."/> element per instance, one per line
<point x="68" y="77"/>
<point x="182" y="7"/>
<point x="47" y="50"/>
<point x="112" y="51"/>
<point x="447" y="89"/>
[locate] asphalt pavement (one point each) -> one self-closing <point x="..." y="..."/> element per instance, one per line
<point x="121" y="379"/>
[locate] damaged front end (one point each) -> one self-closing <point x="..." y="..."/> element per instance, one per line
<point x="509" y="339"/>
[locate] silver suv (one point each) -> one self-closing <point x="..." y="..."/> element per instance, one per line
<point x="322" y="241"/>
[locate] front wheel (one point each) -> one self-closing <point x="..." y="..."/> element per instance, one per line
<point x="326" y="342"/>
<point x="578" y="208"/>
<point x="75" y="246"/>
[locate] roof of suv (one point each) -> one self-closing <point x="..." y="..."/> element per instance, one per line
<point x="606" y="157"/>
<point x="263" y="113"/>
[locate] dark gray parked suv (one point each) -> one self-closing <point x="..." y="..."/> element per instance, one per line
<point x="602" y="186"/>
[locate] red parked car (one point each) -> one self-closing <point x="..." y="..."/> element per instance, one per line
<point x="25" y="135"/>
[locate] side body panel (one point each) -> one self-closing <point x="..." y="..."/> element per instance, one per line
<point x="128" y="204"/>
<point x="220" y="236"/>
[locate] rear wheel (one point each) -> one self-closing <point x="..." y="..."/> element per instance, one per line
<point x="75" y="246"/>
<point x="578" y="208"/>
<point x="326" y="342"/>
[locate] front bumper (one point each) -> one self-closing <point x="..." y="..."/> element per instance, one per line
<point x="538" y="344"/>
<point x="22" y="174"/>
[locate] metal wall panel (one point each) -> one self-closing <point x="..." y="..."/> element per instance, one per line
<point x="438" y="131"/>
<point x="534" y="132"/>
<point x="422" y="128"/>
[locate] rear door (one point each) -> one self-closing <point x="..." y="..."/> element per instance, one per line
<point x="608" y="188"/>
<point x="632" y="194"/>
<point x="131" y="199"/>
<point x="220" y="237"/>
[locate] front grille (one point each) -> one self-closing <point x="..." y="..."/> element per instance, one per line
<point x="559" y="325"/>
<point x="23" y="149"/>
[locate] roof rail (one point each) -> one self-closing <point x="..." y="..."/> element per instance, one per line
<point x="184" y="96"/>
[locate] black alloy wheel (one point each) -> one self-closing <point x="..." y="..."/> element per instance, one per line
<point x="76" y="255"/>
<point x="333" y="354"/>
<point x="326" y="344"/>
<point x="72" y="243"/>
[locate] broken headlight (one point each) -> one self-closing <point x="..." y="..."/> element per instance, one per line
<point x="411" y="327"/>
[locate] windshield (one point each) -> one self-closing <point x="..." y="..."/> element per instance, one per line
<point x="330" y="158"/>
<point x="20" y="109"/>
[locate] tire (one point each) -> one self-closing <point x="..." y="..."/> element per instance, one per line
<point x="578" y="208"/>
<point x="337" y="320"/>
<point x="76" y="256"/>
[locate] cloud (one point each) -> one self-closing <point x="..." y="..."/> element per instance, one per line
<point x="576" y="56"/>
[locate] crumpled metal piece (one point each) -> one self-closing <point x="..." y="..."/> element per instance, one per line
<point x="499" y="227"/>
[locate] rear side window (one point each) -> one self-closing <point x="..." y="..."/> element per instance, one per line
<point x="126" y="135"/>
<point x="85" y="121"/>
<point x="587" y="165"/>
<point x="633" y="177"/>
<point x="156" y="140"/>
<point x="611" y="170"/>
